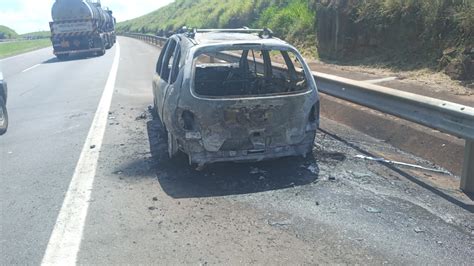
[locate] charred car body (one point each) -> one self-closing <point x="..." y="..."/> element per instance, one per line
<point x="235" y="95"/>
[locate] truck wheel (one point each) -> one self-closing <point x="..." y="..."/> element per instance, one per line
<point x="109" y="44"/>
<point x="3" y="116"/>
<point x="172" y="146"/>
<point x="101" y="53"/>
<point x="100" y="43"/>
<point x="62" y="56"/>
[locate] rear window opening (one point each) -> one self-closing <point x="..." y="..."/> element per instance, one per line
<point x="252" y="72"/>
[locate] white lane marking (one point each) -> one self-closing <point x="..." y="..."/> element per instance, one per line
<point x="30" y="68"/>
<point x="373" y="81"/>
<point x="24" y="54"/>
<point x="65" y="240"/>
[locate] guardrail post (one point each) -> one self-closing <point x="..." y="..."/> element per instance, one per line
<point x="467" y="179"/>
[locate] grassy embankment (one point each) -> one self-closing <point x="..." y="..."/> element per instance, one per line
<point x="406" y="34"/>
<point x="37" y="35"/>
<point x="7" y="33"/>
<point x="17" y="47"/>
<point x="398" y="34"/>
<point x="14" y="43"/>
<point x="292" y="20"/>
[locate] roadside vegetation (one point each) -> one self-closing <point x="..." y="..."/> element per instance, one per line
<point x="400" y="34"/>
<point x="36" y="35"/>
<point x="17" y="47"/>
<point x="12" y="43"/>
<point x="292" y="20"/>
<point x="7" y="33"/>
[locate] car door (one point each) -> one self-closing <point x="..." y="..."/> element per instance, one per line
<point x="169" y="98"/>
<point x="162" y="75"/>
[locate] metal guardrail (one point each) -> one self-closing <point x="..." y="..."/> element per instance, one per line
<point x="156" y="40"/>
<point x="447" y="117"/>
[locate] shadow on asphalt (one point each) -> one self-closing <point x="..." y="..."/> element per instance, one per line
<point x="54" y="60"/>
<point x="179" y="180"/>
<point x="412" y="178"/>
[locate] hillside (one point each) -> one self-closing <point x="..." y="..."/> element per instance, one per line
<point x="36" y="35"/>
<point x="292" y="20"/>
<point x="400" y="34"/>
<point x="7" y="33"/>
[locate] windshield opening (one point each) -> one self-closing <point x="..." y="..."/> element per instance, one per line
<point x="248" y="72"/>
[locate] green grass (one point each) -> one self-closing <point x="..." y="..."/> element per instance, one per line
<point x="19" y="47"/>
<point x="292" y="20"/>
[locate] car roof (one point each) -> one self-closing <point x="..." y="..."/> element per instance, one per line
<point x="226" y="37"/>
<point x="222" y="37"/>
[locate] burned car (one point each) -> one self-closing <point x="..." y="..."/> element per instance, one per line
<point x="235" y="95"/>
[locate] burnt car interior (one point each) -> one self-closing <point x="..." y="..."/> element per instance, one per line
<point x="254" y="74"/>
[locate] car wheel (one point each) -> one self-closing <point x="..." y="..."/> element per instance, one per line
<point x="3" y="116"/>
<point x="172" y="146"/>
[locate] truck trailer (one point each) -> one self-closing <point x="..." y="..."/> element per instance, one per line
<point x="81" y="27"/>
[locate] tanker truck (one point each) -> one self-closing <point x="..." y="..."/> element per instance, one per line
<point x="81" y="27"/>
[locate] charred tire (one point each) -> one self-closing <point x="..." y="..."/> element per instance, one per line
<point x="3" y="116"/>
<point x="154" y="112"/>
<point x="173" y="149"/>
<point x="155" y="107"/>
<point x="309" y="152"/>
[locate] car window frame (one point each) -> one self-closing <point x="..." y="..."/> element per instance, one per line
<point x="175" y="67"/>
<point x="171" y="45"/>
<point x="159" y="63"/>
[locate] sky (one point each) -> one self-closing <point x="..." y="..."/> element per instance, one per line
<point x="34" y="15"/>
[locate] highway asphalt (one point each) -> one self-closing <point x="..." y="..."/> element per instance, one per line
<point x="144" y="208"/>
<point x="50" y="110"/>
